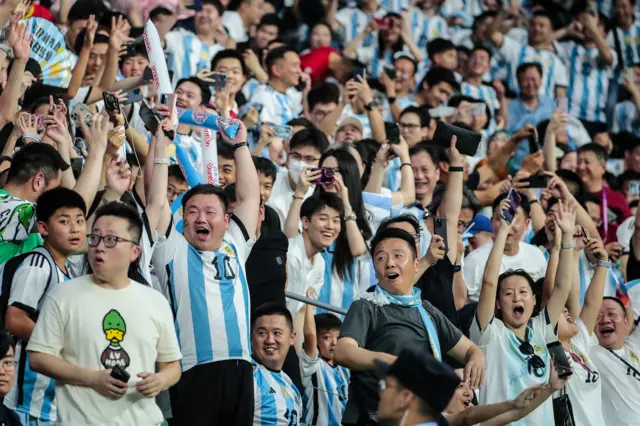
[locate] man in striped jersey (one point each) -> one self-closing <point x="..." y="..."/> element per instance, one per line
<point x="554" y="73"/>
<point x="353" y="20"/>
<point x="283" y="66"/>
<point x="326" y="384"/>
<point x="277" y="400"/>
<point x="202" y="270"/>
<point x="26" y="280"/>
<point x="625" y="116"/>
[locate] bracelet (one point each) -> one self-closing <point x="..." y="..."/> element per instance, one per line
<point x="6" y="49"/>
<point x="456" y="169"/>
<point x="457" y="268"/>
<point x="34" y="137"/>
<point x="295" y="197"/>
<point x="533" y="201"/>
<point x="406" y="164"/>
<point x="604" y="263"/>
<point x="239" y="145"/>
<point x="161" y="161"/>
<point x="391" y="99"/>
<point x="565" y="246"/>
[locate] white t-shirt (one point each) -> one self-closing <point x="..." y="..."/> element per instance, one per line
<point x="507" y="372"/>
<point x="529" y="258"/>
<point x="96" y="328"/>
<point x="620" y="384"/>
<point x="234" y="25"/>
<point x="282" y="195"/>
<point x="302" y="274"/>
<point x="584" y="387"/>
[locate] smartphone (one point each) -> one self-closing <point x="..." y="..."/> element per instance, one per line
<point x="282" y="132"/>
<point x="111" y="103"/>
<point x="381" y="23"/>
<point x="362" y="72"/>
<point x="169" y="99"/>
<point x="634" y="187"/>
<point x="390" y="71"/>
<point x="559" y="357"/>
<point x="147" y="75"/>
<point x="219" y="81"/>
<point x="327" y="176"/>
<point x="534" y="145"/>
<point x="440" y="228"/>
<point x="478" y="109"/>
<point x="76" y="166"/>
<point x="119" y="373"/>
<point x="301" y="85"/>
<point x="150" y="119"/>
<point x="81" y="113"/>
<point x="514" y="203"/>
<point x="537" y="181"/>
<point x="393" y="133"/>
<point x="442" y="112"/>
<point x="563" y="105"/>
<point x="133" y="96"/>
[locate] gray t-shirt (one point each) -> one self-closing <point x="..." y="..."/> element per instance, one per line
<point x="389" y="329"/>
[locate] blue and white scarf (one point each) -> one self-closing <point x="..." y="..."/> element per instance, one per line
<point x="414" y="301"/>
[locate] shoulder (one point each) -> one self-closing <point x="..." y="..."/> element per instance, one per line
<point x="479" y="254"/>
<point x="534" y="251"/>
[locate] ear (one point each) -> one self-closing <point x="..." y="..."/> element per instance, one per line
<point x="416" y="265"/>
<point x="292" y="339"/>
<point x="135" y="253"/>
<point x="37" y="182"/>
<point x="305" y="223"/>
<point x="42" y="228"/>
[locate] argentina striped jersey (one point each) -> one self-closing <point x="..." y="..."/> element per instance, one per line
<point x="187" y="54"/>
<point x="588" y="81"/>
<point x="353" y="21"/>
<point x="337" y="291"/>
<point x="325" y="391"/>
<point x="277" y="400"/>
<point x="278" y="108"/>
<point x="625" y="118"/>
<point x="629" y="43"/>
<point x="208" y="294"/>
<point x="484" y="93"/>
<point x="426" y="28"/>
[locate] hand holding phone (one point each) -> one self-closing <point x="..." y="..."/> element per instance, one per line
<point x="560" y="360"/>
<point x="111" y="103"/>
<point x="440" y="228"/>
<point x="534" y="144"/>
<point x="393" y="133"/>
<point x="514" y="202"/>
<point x="327" y="175"/>
<point x="120" y="373"/>
<point x="282" y="132"/>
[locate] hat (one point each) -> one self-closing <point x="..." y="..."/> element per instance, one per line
<point x="429" y="379"/>
<point x="351" y="120"/>
<point x="405" y="55"/>
<point x="480" y="223"/>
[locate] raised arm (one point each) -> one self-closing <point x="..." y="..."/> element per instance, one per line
<point x="590" y="24"/>
<point x="452" y="198"/>
<point x="157" y="204"/>
<point x="292" y="222"/>
<point x="79" y="69"/>
<point x="595" y="292"/>
<point x="487" y="301"/>
<point x="247" y="184"/>
<point x="357" y="245"/>
<point x="407" y="193"/>
<point x="565" y="217"/>
<point x="20" y="41"/>
<point x="350" y="51"/>
<point x="375" y="118"/>
<point x="89" y="181"/>
<point x="310" y="344"/>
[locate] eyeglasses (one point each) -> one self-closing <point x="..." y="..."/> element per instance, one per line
<point x="306" y="158"/>
<point x="171" y="192"/>
<point x="8" y="365"/>
<point x="534" y="362"/>
<point x="110" y="241"/>
<point x="409" y="126"/>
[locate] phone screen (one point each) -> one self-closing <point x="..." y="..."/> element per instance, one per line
<point x="393" y="133"/>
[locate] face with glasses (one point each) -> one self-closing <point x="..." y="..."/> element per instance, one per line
<point x="112" y="247"/>
<point x="612" y="326"/>
<point x="411" y="129"/>
<point x="479" y="63"/>
<point x="515" y="301"/>
<point x="7" y="372"/>
<point x="299" y="158"/>
<point x="175" y="188"/>
<point x="320" y="111"/>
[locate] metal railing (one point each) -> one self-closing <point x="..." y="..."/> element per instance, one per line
<point x="316" y="303"/>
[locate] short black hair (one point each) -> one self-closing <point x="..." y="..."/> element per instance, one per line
<point x="434" y="152"/>
<point x="310" y="137"/>
<point x="514" y="273"/>
<point x="206" y="189"/>
<point x="628" y="175"/>
<point x="229" y="54"/>
<point x="439" y="45"/>
<point x="319" y="201"/>
<point x="439" y="75"/>
<point x="58" y="198"/>
<point x="35" y="158"/>
<point x="420" y="112"/>
<point x="482" y="17"/>
<point x="301" y="122"/>
<point x="483" y="48"/>
<point x="176" y="172"/>
<point x="544" y="14"/>
<point x="205" y="93"/>
<point x="160" y="10"/>
<point x="123" y="211"/>
<point x="270" y="19"/>
<point x="215" y="3"/>
<point x="6" y="342"/>
<point x="599" y="151"/>
<point x="323" y="93"/>
<point x="522" y="68"/>
<point x="97" y="39"/>
<point x="84" y="8"/>
<point x="276" y="54"/>
<point x="391" y="233"/>
<point x="526" y="207"/>
<point x="327" y="322"/>
<point x="618" y="301"/>
<point x="224" y="150"/>
<point x="266" y="167"/>
<point x="406" y="218"/>
<point x="269" y="309"/>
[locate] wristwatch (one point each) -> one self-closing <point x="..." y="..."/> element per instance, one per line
<point x="351" y="216"/>
<point x="604" y="263"/>
<point x="371" y="106"/>
<point x="457" y="268"/>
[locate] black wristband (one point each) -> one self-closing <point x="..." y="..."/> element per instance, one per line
<point x="457" y="268"/>
<point x="406" y="164"/>
<point x="370" y="106"/>
<point x="533" y="201"/>
<point x="456" y="169"/>
<point x="391" y="99"/>
<point x="239" y="145"/>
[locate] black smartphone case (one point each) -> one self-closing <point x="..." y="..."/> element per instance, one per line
<point x="467" y="142"/>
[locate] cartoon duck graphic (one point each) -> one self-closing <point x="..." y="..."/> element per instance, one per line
<point x="114" y="329"/>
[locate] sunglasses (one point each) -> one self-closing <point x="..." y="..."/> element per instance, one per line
<point x="534" y="362"/>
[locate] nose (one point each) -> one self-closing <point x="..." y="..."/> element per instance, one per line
<point x="270" y="338"/>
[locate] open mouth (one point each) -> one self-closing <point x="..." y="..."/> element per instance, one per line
<point x="518" y="311"/>
<point x="393" y="275"/>
<point x="98" y="260"/>
<point x="202" y="231"/>
<point x="327" y="234"/>
<point x="467" y="403"/>
<point x="607" y="331"/>
<point x="270" y="350"/>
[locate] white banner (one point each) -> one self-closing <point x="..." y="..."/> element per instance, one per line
<point x="210" y="157"/>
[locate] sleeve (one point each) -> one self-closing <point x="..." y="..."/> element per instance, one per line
<point x="563" y="51"/>
<point x="240" y="237"/>
<point x="365" y="54"/>
<point x="172" y="40"/>
<point x="472" y="276"/>
<point x="308" y="365"/>
<point x="30" y="282"/>
<point x="492" y="332"/>
<point x="618" y="118"/>
<point x="634" y="338"/>
<point x="583" y="341"/>
<point x="542" y="324"/>
<point x="448" y="334"/>
<point x="357" y="322"/>
<point x="167" y="346"/>
<point x="268" y="113"/>
<point x="166" y="247"/>
<point x="510" y="49"/>
<point x="560" y="76"/>
<point x="48" y="335"/>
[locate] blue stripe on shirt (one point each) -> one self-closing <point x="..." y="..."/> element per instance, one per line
<point x="227" y="294"/>
<point x="199" y="309"/>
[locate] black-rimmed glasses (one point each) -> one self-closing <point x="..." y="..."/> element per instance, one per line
<point x="110" y="241"/>
<point x="534" y="362"/>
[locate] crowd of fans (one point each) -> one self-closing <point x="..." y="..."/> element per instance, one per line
<point x="348" y="266"/>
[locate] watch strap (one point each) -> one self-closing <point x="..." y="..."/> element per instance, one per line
<point x="604" y="263"/>
<point x="239" y="145"/>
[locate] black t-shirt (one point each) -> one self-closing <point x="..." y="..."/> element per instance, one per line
<point x="436" y="285"/>
<point x="271" y="221"/>
<point x="8" y="417"/>
<point x="633" y="265"/>
<point x="388" y="329"/>
<point x="267" y="269"/>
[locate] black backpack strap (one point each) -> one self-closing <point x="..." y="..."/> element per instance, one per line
<point x="618" y="47"/>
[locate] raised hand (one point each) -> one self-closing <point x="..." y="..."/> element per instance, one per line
<point x="118" y="176"/>
<point x="96" y="135"/>
<point x="56" y="129"/>
<point x="306" y="180"/>
<point x="363" y="90"/>
<point x="241" y="136"/>
<point x="119" y="32"/>
<point x="28" y="125"/>
<point x="596" y="249"/>
<point x="19" y="40"/>
<point x="565" y="217"/>
<point x="90" y="34"/>
<point x="435" y="252"/>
